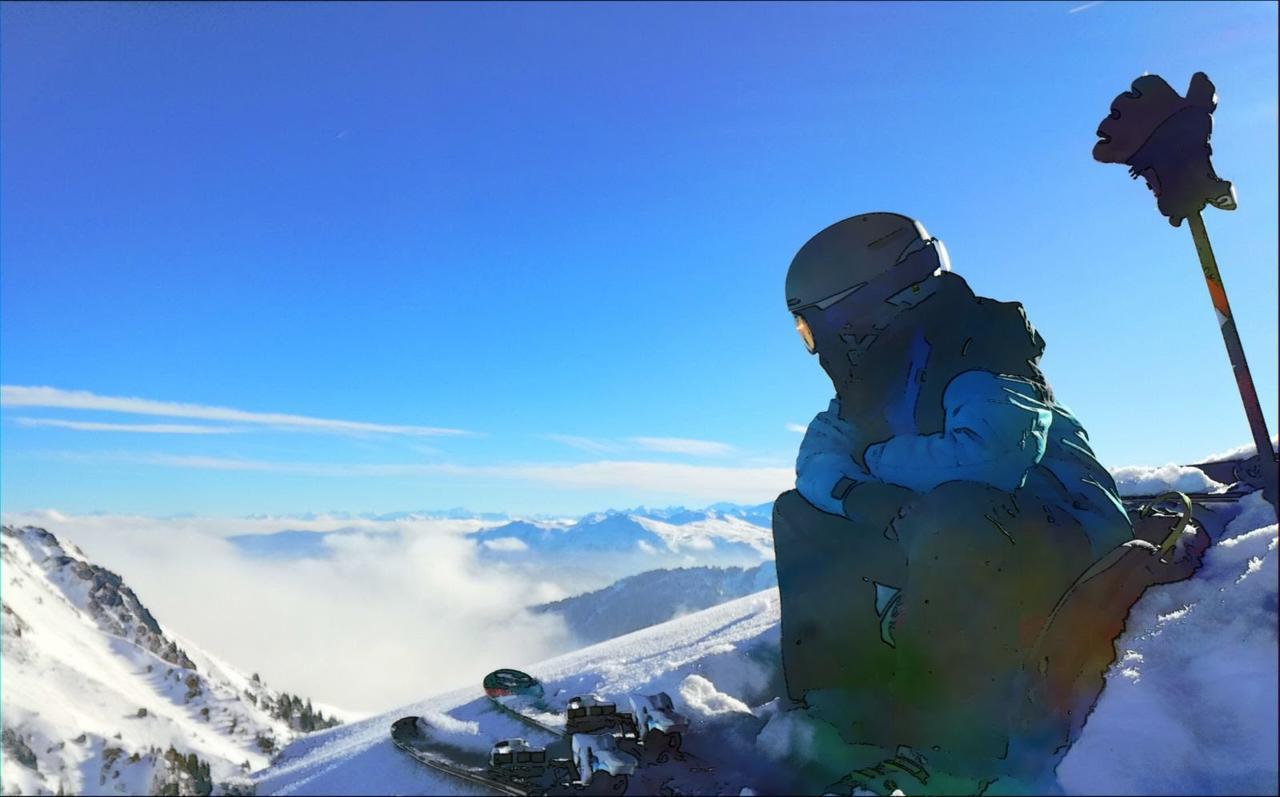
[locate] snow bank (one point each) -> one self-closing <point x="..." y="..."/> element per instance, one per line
<point x="1190" y="707"/>
<point x="1146" y="480"/>
<point x="1240" y="452"/>
<point x="701" y="696"/>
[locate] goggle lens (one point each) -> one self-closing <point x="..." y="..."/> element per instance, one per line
<point x="806" y="334"/>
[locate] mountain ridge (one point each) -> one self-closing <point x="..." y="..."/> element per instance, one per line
<point x="100" y="699"/>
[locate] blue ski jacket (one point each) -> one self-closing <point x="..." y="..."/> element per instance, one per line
<point x="998" y="430"/>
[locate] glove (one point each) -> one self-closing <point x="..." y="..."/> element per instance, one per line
<point x="829" y="460"/>
<point x="1164" y="138"/>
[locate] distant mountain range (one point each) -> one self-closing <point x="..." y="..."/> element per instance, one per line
<point x="602" y="546"/>
<point x="759" y="514"/>
<point x="654" y="597"/>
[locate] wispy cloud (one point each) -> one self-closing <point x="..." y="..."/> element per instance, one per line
<point x="664" y="445"/>
<point x="584" y="443"/>
<point x="720" y="483"/>
<point x="51" y="397"/>
<point x="1085" y="7"/>
<point x="798" y="428"/>
<point x="683" y="445"/>
<point x="135" y="428"/>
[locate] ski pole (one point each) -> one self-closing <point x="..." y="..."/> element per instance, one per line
<point x="1235" y="351"/>
<point x="1164" y="138"/>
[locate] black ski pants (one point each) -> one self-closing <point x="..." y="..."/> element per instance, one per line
<point x="979" y="571"/>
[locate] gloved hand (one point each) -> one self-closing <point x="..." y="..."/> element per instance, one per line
<point x="826" y="466"/>
<point x="1164" y="139"/>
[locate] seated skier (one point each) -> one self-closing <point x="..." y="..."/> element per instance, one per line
<point x="944" y="505"/>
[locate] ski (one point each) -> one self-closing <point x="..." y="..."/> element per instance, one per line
<point x="519" y="716"/>
<point x="406" y="734"/>
<point x="515" y="693"/>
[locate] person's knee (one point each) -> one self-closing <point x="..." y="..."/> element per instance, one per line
<point x="958" y="497"/>
<point x="957" y="517"/>
<point x="794" y="509"/>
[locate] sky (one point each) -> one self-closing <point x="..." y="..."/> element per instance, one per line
<point x="292" y="258"/>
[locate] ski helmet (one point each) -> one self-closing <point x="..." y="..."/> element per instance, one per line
<point x="874" y="266"/>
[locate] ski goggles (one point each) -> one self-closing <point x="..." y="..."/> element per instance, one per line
<point x="879" y="300"/>
<point x="806" y="334"/>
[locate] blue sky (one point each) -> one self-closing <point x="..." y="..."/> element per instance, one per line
<point x="559" y="234"/>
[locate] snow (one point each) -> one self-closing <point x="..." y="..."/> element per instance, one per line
<point x="1239" y="452"/>
<point x="86" y="701"/>
<point x="1193" y="708"/>
<point x="607" y="546"/>
<point x="704" y="534"/>
<point x="654" y="597"/>
<point x="701" y="696"/>
<point x="1189" y="706"/>
<point x="1136" y="480"/>
<point x="729" y="647"/>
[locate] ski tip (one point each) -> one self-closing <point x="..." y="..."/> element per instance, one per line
<point x="405" y="728"/>
<point x="506" y="681"/>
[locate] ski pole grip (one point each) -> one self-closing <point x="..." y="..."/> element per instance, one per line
<point x="1164" y="139"/>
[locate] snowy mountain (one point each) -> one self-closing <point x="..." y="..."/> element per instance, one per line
<point x="99" y="699"/>
<point x="1189" y="707"/>
<point x="601" y="547"/>
<point x="606" y="546"/>
<point x="756" y="514"/>
<point x="654" y="597"/>
<point x="623" y="532"/>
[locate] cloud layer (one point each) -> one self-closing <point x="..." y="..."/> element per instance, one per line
<point x="134" y="428"/>
<point x="401" y="610"/>
<point x="665" y="445"/>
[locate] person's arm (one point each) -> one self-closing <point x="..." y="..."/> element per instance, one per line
<point x="995" y="431"/>
<point x="826" y="462"/>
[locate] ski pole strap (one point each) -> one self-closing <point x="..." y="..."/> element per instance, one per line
<point x="1178" y="527"/>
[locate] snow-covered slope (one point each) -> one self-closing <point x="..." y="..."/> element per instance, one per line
<point x="1190" y="706"/>
<point x="96" y="694"/>
<point x="732" y="646"/>
<point x="653" y="597"/>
